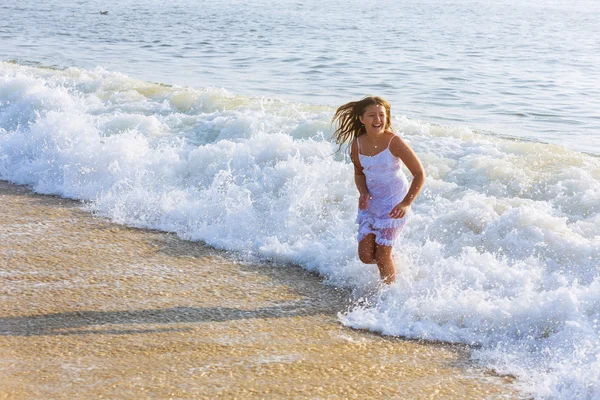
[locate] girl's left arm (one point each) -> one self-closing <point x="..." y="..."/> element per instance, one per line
<point x="404" y="152"/>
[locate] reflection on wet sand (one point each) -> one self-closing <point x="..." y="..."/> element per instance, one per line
<point x="93" y="309"/>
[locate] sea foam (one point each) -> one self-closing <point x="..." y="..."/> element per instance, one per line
<point x="501" y="251"/>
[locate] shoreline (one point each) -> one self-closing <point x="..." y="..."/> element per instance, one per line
<point x="97" y="309"/>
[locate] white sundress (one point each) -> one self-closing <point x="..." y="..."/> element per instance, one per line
<point x="387" y="185"/>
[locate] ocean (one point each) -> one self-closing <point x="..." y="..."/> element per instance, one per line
<point x="212" y="120"/>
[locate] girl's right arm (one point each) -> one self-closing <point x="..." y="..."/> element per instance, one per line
<point x="359" y="177"/>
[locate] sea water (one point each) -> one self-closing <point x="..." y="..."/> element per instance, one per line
<point x="521" y="69"/>
<point x="503" y="246"/>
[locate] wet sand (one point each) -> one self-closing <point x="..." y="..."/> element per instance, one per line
<point x="92" y="309"/>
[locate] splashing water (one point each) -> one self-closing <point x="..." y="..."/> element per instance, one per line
<point x="502" y="250"/>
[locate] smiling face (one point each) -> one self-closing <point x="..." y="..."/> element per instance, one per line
<point x="374" y="119"/>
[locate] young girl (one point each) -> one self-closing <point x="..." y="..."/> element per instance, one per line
<point x="385" y="197"/>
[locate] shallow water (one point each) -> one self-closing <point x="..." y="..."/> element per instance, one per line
<point x="92" y="309"/>
<point x="501" y="252"/>
<point x="503" y="247"/>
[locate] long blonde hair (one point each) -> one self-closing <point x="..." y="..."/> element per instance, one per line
<point x="347" y="116"/>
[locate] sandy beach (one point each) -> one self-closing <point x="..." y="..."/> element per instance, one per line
<point x="92" y="309"/>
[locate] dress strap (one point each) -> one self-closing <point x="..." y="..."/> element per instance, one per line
<point x="390" y="142"/>
<point x="358" y="151"/>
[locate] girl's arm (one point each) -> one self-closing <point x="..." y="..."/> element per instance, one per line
<point x="402" y="150"/>
<point x="359" y="177"/>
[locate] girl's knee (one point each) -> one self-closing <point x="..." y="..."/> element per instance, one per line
<point x="366" y="258"/>
<point x="366" y="249"/>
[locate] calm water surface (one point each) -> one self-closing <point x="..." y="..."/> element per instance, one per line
<point x="524" y="70"/>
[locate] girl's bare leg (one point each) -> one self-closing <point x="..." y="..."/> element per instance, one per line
<point x="385" y="263"/>
<point x="366" y="249"/>
<point x="370" y="252"/>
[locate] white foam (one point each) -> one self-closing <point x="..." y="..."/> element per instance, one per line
<point x="502" y="250"/>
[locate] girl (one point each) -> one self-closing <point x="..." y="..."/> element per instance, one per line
<point x="385" y="198"/>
